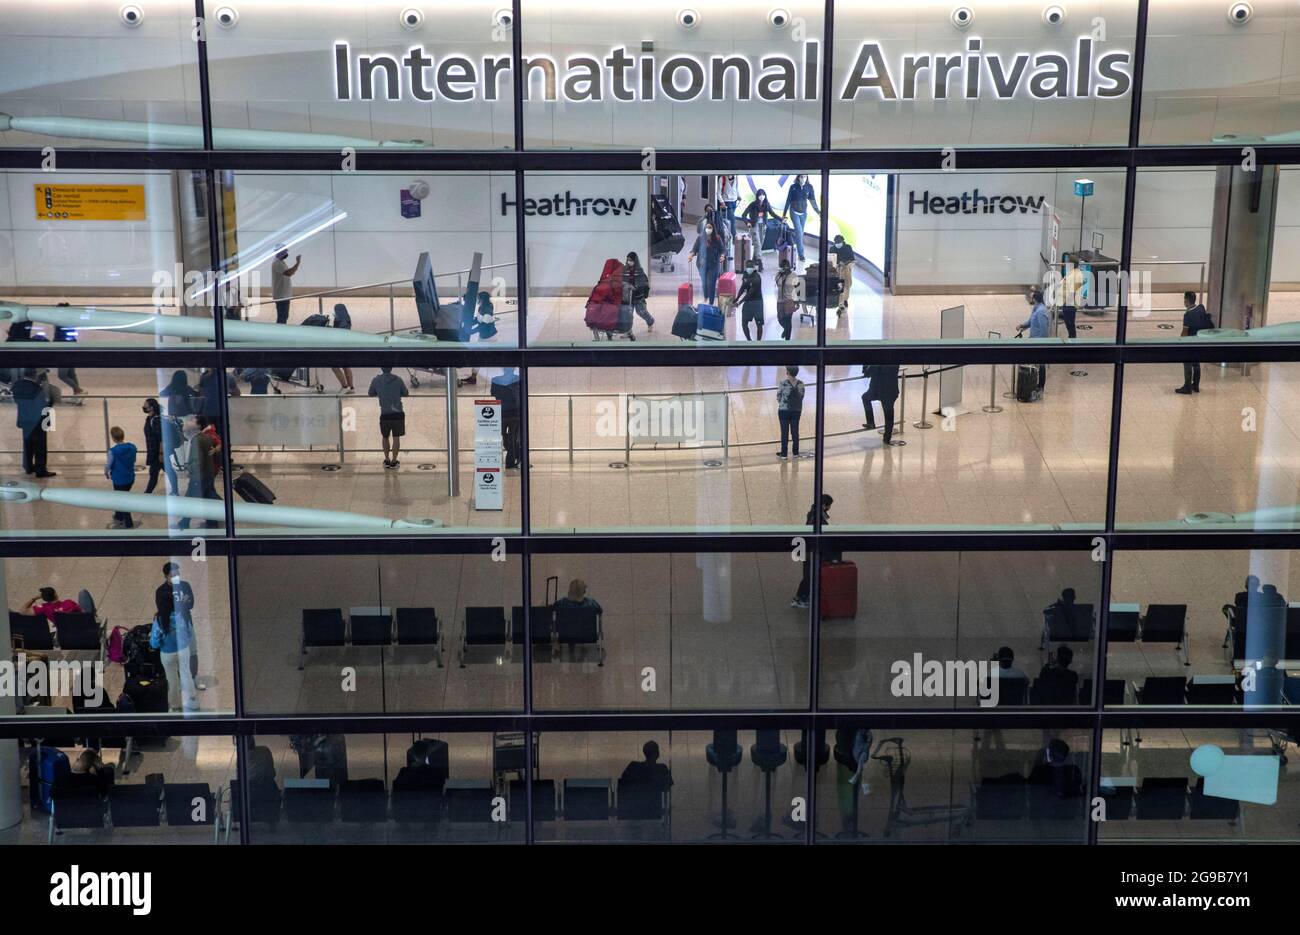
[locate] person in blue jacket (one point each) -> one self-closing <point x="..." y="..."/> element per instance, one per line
<point x="707" y="255"/>
<point x="171" y="636"/>
<point x="120" y="470"/>
<point x="798" y="199"/>
<point x="33" y="397"/>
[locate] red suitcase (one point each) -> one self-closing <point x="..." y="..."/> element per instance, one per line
<point x="685" y="294"/>
<point x="727" y="285"/>
<point x="839" y="591"/>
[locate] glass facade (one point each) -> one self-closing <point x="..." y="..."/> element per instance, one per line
<point x="539" y="422"/>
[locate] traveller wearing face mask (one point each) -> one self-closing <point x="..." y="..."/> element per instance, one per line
<point x="707" y="256"/>
<point x="750" y="300"/>
<point x="757" y="214"/>
<point x="636" y="286"/>
<point x="800" y="197"/>
<point x="716" y="216"/>
<point x="174" y="600"/>
<point x="729" y="195"/>
<point x="842" y="251"/>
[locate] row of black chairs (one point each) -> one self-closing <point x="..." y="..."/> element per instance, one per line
<point x="1162" y="623"/>
<point x="370" y="801"/>
<point x="79" y="632"/>
<point x="554" y="625"/>
<point x="409" y="626"/>
<point x="1234" y="638"/>
<point x="133" y="805"/>
<point x="1012" y="797"/>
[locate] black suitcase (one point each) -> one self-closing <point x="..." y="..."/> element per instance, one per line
<point x="147" y="689"/>
<point x="1026" y="383"/>
<point x="252" y="490"/>
<point x="137" y="652"/>
<point x="317" y="320"/>
<point x="686" y="323"/>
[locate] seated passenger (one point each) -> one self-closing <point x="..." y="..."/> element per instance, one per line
<point x="649" y="772"/>
<point x="48" y="603"/>
<point x="577" y="597"/>
<point x="88" y="771"/>
<point x="1057" y="682"/>
<point x="1052" y="767"/>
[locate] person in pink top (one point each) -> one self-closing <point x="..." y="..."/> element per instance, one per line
<point x="47" y="604"/>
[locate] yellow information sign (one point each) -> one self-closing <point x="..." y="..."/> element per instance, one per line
<point x="90" y="202"/>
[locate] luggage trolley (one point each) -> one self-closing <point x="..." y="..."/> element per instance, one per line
<point x="901" y="815"/>
<point x="666" y="239"/>
<point x="509" y="755"/>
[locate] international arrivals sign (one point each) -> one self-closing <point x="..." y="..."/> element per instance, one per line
<point x="1092" y="70"/>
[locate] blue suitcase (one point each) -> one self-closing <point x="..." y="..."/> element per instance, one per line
<point x="710" y="318"/>
<point x="43" y="772"/>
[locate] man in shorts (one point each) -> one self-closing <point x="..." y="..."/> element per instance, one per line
<point x="390" y="389"/>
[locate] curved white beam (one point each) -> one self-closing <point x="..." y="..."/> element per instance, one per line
<point x="16" y="491"/>
<point x="182" y="136"/>
<point x="89" y="318"/>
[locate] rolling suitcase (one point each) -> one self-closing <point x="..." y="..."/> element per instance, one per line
<point x="743" y="249"/>
<point x="1026" y="383"/>
<point x="771" y="234"/>
<point x="685" y="294"/>
<point x="686" y="323"/>
<point x="45" y="767"/>
<point x="146" y="687"/>
<point x="727" y="285"/>
<point x="252" y="490"/>
<point x="839" y="591"/>
<point x="710" y="319"/>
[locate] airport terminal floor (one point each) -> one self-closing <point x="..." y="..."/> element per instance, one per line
<point x="836" y="423"/>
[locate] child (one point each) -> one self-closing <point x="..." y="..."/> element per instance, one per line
<point x="120" y="470"/>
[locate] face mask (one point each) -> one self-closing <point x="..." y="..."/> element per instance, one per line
<point x="708" y="230"/>
<point x="175" y="579"/>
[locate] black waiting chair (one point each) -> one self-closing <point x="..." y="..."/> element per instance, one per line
<point x="724" y="755"/>
<point x="419" y="626"/>
<point x="79" y="632"/>
<point x="639" y="801"/>
<point x="1118" y="801"/>
<point x="1001" y="798"/>
<point x="543" y="800"/>
<point x="1167" y="623"/>
<point x="29" y="632"/>
<point x="580" y="626"/>
<point x="483" y="626"/>
<point x="543" y="624"/>
<point x="363" y="801"/>
<point x="1112" y="693"/>
<point x="1122" y="626"/>
<point x="1292" y="649"/>
<point x="769" y="755"/>
<point x="1162" y="799"/>
<point x="1057" y="687"/>
<point x="263" y="804"/>
<point x="371" y="630"/>
<point x="417" y="795"/>
<point x="75" y="808"/>
<point x="1075" y="624"/>
<point x="1214" y="693"/>
<point x="321" y="627"/>
<point x="135" y="806"/>
<point x="1012" y="692"/>
<point x="1162" y="690"/>
<point x="587" y="799"/>
<point x="309" y="801"/>
<point x="469" y="801"/>
<point x="1202" y="807"/>
<point x="189" y="804"/>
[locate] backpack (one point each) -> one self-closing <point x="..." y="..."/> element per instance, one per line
<point x="116" y="649"/>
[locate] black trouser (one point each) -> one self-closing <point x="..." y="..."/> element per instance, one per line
<point x="789" y="419"/>
<point x="1192" y="375"/>
<point x="1042" y="376"/>
<point x="1067" y="315"/>
<point x="155" y="468"/>
<point x="119" y="516"/>
<point x="787" y="325"/>
<point x="511" y="439"/>
<point x="754" y="314"/>
<point x="805" y="583"/>
<point x="886" y="407"/>
<point x="35" y="444"/>
<point x="281" y="311"/>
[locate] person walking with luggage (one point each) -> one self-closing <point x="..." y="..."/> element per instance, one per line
<point x="637" y="288"/>
<point x="506" y="389"/>
<point x="200" y="467"/>
<point x="715" y="217"/>
<point x="389" y="389"/>
<point x="1195" y="319"/>
<point x="883" y="389"/>
<point x="176" y="596"/>
<point x="845" y="259"/>
<point x="750" y="299"/>
<point x="789" y="296"/>
<point x="282" y="282"/>
<point x="1038" y="324"/>
<point x="119" y="470"/>
<point x="171" y="637"/>
<point x="757" y="214"/>
<point x="805" y="583"/>
<point x="798" y="200"/>
<point x="182" y="399"/>
<point x="707" y="256"/>
<point x="789" y="407"/>
<point x="729" y="197"/>
<point x="34" y="397"/>
<point x="153" y="441"/>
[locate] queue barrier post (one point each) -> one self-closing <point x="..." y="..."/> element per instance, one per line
<point x="570" y="429"/>
<point x="921" y="423"/>
<point x="993" y="382"/>
<point x="902" y="400"/>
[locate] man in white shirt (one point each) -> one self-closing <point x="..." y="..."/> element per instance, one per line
<point x="281" y="283"/>
<point x="1072" y="286"/>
